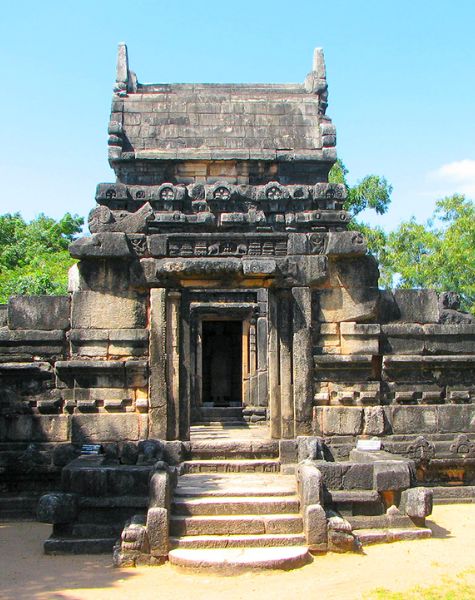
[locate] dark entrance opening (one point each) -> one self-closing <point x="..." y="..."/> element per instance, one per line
<point x="222" y="363"/>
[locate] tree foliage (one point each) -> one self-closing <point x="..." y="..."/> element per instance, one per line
<point x="34" y="257"/>
<point x="439" y="254"/>
<point x="372" y="192"/>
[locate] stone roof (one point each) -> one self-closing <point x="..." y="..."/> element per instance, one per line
<point x="220" y="121"/>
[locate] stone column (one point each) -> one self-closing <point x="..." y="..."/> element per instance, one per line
<point x="245" y="363"/>
<point x="253" y="400"/>
<point x="184" y="361"/>
<point x="274" y="368"/>
<point x="158" y="414"/>
<point x="286" y="370"/>
<point x="302" y="360"/>
<point x="173" y="364"/>
<point x="261" y="331"/>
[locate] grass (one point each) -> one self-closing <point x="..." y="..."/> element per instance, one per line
<point x="460" y="587"/>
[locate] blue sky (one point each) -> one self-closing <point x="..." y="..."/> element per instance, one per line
<point x="401" y="79"/>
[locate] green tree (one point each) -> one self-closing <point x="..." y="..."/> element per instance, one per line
<point x="34" y="257"/>
<point x="372" y="192"/>
<point x="439" y="254"/>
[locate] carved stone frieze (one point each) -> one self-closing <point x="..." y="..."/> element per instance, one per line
<point x="463" y="446"/>
<point x="421" y="449"/>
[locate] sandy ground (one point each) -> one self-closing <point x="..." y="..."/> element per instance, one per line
<point x="25" y="573"/>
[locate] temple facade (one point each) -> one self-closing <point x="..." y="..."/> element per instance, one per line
<point x="221" y="283"/>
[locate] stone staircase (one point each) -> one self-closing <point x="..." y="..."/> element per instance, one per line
<point x="233" y="508"/>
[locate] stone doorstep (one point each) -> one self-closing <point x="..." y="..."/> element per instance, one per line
<point x="223" y="485"/>
<point x="238" y="541"/>
<point x="290" y="557"/>
<point x="235" y="505"/>
<point x="377" y="536"/>
<point x="234" y="449"/>
<point x="231" y="466"/>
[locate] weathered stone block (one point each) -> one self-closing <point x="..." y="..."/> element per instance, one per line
<point x="346" y="242"/>
<point x="103" y="245"/>
<point x="107" y="427"/>
<point x="338" y="420"/>
<point x="374" y="421"/>
<point x="403" y="338"/>
<point x="38" y="312"/>
<point x="359" y="338"/>
<point x="309" y="483"/>
<point x="413" y="419"/>
<point x="95" y="310"/>
<point x="37" y="428"/>
<point x="57" y="508"/>
<point x="157" y="531"/>
<point x="417" y="306"/>
<point x="391" y="475"/>
<point x="315" y="528"/>
<point x="450" y="339"/>
<point x="358" y="304"/>
<point x="417" y="502"/>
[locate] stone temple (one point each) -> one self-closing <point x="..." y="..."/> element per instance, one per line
<point x="225" y="383"/>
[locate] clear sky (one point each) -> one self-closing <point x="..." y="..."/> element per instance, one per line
<point x="401" y="78"/>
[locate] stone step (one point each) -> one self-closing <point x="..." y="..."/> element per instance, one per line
<point x="236" y="505"/>
<point x="216" y="413"/>
<point x="232" y="559"/>
<point x="235" y="524"/>
<point x="238" y="541"/>
<point x="462" y="494"/>
<point x="223" y="485"/>
<point x="15" y="508"/>
<point x="352" y="496"/>
<point x="233" y="449"/>
<point x="379" y="521"/>
<point x="393" y="534"/>
<point x="71" y="545"/>
<point x="97" y="530"/>
<point x="231" y="466"/>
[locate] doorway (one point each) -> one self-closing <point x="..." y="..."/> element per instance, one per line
<point x="222" y="364"/>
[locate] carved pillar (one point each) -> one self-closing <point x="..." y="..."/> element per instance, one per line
<point x="286" y="369"/>
<point x="302" y="360"/>
<point x="274" y="367"/>
<point x="185" y="359"/>
<point x="253" y="399"/>
<point x="173" y="364"/>
<point x="158" y="414"/>
<point x="245" y="363"/>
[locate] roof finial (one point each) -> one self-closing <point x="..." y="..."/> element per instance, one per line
<point x="125" y="79"/>
<point x="316" y="80"/>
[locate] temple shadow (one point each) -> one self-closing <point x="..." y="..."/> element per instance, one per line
<point x="28" y="573"/>
<point x="438" y="531"/>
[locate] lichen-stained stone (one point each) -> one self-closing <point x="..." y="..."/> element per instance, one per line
<point x="338" y="420"/>
<point x="36" y="428"/>
<point x="107" y="427"/>
<point x="391" y="475"/>
<point x="346" y="242"/>
<point x="413" y="419"/>
<point x="374" y="420"/>
<point x="38" y="312"/>
<point x="417" y="502"/>
<point x="417" y="306"/>
<point x="157" y="530"/>
<point x="57" y="507"/>
<point x="315" y="528"/>
<point x="358" y="304"/>
<point x="95" y="310"/>
<point x="360" y="338"/>
<point x="106" y="245"/>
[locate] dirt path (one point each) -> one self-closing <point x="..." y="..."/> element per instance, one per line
<point x="25" y="573"/>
